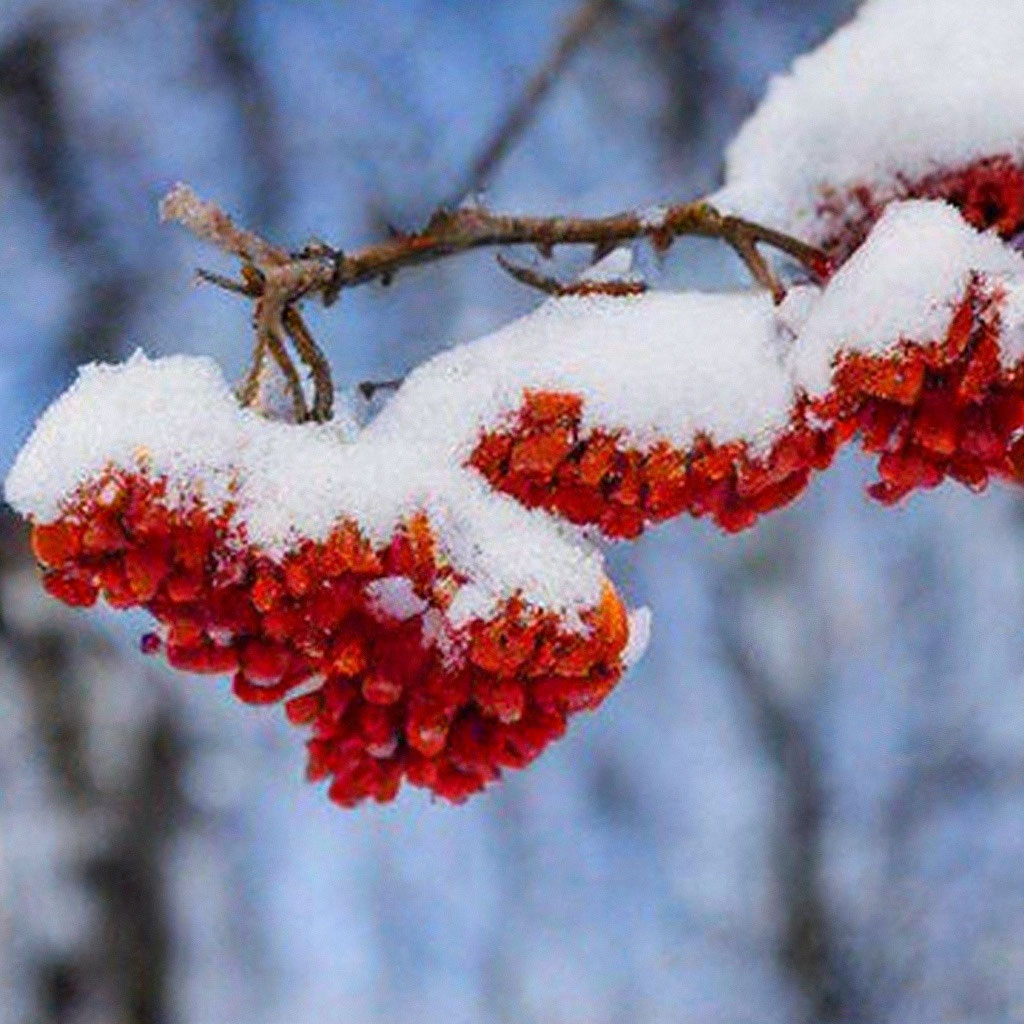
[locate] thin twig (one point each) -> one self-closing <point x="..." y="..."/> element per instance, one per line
<point x="562" y="289"/>
<point x="310" y="354"/>
<point x="452" y="232"/>
<point x="209" y="222"/>
<point x="268" y="333"/>
<point x="228" y="284"/>
<point x="249" y="389"/>
<point x="746" y="248"/>
<point x="579" y="29"/>
<point x="277" y="280"/>
<point x="368" y="388"/>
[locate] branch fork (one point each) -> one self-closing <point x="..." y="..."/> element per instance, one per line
<point x="278" y="281"/>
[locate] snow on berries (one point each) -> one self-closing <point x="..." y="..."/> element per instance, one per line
<point x="917" y="345"/>
<point x="913" y="98"/>
<point x="618" y="413"/>
<point x="417" y="595"/>
<point x="424" y="595"/>
<point x="415" y="640"/>
<point x="917" y="340"/>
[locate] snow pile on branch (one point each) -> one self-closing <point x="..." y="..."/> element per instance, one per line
<point x="606" y="411"/>
<point x="656" y="367"/>
<point x="618" y="413"/>
<point x="407" y="591"/>
<point x="416" y="592"/>
<point x="423" y="627"/>
<point x="590" y="407"/>
<point x="908" y="88"/>
<point x="669" y="368"/>
<point x="177" y="419"/>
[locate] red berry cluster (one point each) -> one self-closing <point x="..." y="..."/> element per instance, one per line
<point x="597" y="477"/>
<point x="945" y="409"/>
<point x="988" y="193"/>
<point x="391" y="697"/>
<point x="384" y="701"/>
<point x="930" y="411"/>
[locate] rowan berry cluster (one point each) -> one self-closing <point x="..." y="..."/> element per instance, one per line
<point x="321" y="629"/>
<point x="945" y="408"/>
<point x="597" y="478"/>
<point x="989" y="194"/>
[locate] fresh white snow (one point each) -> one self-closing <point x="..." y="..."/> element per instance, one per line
<point x="904" y="284"/>
<point x="663" y="366"/>
<point x="177" y="417"/>
<point x="907" y="88"/>
<point x="656" y="367"/>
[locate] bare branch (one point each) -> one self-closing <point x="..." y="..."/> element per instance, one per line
<point x="279" y="280"/>
<point x="579" y="29"/>
<point x="747" y="250"/>
<point x="270" y="336"/>
<point x="209" y="222"/>
<point x="225" y="283"/>
<point x="452" y="232"/>
<point x="368" y="388"/>
<point x="326" y="271"/>
<point x="310" y="354"/>
<point x="560" y="289"/>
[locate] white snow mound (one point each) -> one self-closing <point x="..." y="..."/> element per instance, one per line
<point x="907" y="88"/>
<point x="178" y="417"/>
<point x="904" y="284"/>
<point x="663" y="366"/>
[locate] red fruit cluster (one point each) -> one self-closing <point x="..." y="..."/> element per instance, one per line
<point x="988" y="193"/>
<point x="544" y="459"/>
<point x="384" y="701"/>
<point x="929" y="411"/>
<point x="932" y="411"/>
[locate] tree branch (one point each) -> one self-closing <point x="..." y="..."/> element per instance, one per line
<point x="450" y="232"/>
<point x="560" y="289"/>
<point x="278" y="280"/>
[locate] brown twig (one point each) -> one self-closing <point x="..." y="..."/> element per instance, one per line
<point x="561" y="289"/>
<point x="450" y="232"/>
<point x="279" y="280"/>
<point x="310" y="354"/>
<point x="209" y="222"/>
<point x="270" y="334"/>
<point x="744" y="245"/>
<point x="368" y="388"/>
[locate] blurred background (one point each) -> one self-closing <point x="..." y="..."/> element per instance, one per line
<point x="805" y="805"/>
